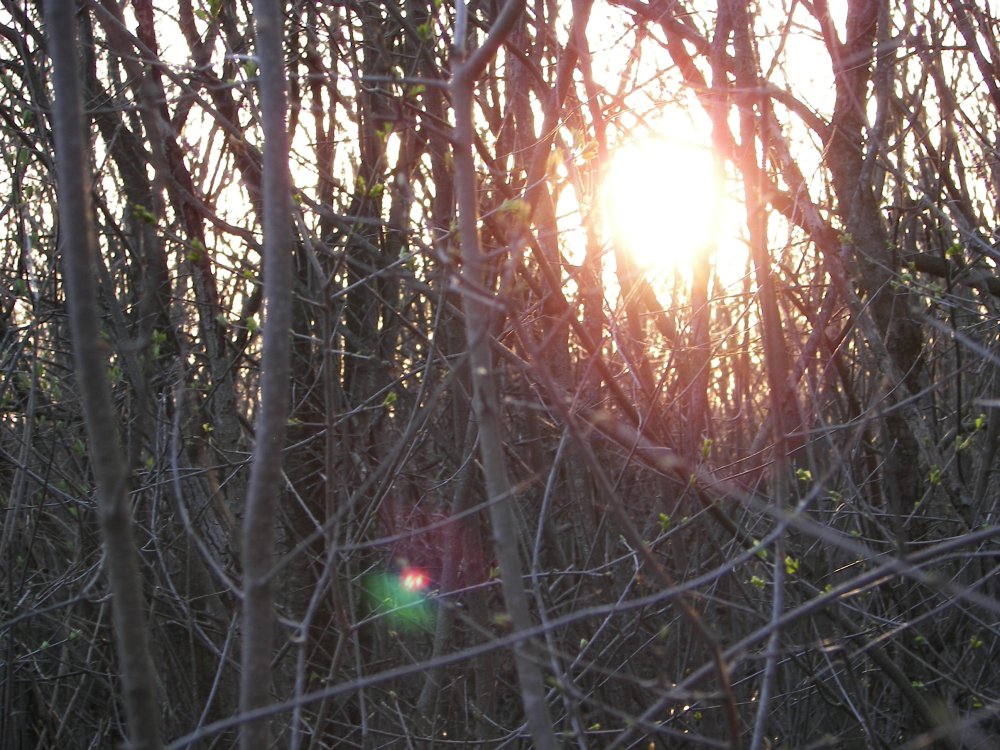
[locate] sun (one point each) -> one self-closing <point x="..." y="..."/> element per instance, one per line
<point x="660" y="198"/>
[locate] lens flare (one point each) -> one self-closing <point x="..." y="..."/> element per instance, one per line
<point x="400" y="597"/>
<point x="413" y="579"/>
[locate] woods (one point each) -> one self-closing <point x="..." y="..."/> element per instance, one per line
<point x="369" y="380"/>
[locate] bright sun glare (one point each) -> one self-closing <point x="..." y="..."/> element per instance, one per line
<point x="659" y="196"/>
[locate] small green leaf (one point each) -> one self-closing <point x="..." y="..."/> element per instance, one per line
<point x="143" y="214"/>
<point x="517" y="207"/>
<point x="761" y="553"/>
<point x="791" y="565"/>
<point x="501" y="619"/>
<point x="664" y="522"/>
<point x="197" y="251"/>
<point x="803" y="475"/>
<point x="934" y="476"/>
<point x="706" y="448"/>
<point x="757" y="582"/>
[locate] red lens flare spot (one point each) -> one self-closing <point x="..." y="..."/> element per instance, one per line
<point x="414" y="579"/>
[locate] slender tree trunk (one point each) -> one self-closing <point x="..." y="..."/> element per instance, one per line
<point x="91" y="356"/>
<point x="478" y="306"/>
<point x="265" y="477"/>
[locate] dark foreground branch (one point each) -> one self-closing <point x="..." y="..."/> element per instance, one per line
<point x="90" y="354"/>
<point x="265" y="475"/>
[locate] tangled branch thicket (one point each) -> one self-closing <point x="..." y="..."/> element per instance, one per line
<point x="749" y="508"/>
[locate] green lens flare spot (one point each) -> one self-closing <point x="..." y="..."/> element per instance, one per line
<point x="400" y="598"/>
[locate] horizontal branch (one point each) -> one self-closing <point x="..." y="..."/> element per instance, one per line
<point x="974" y="278"/>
